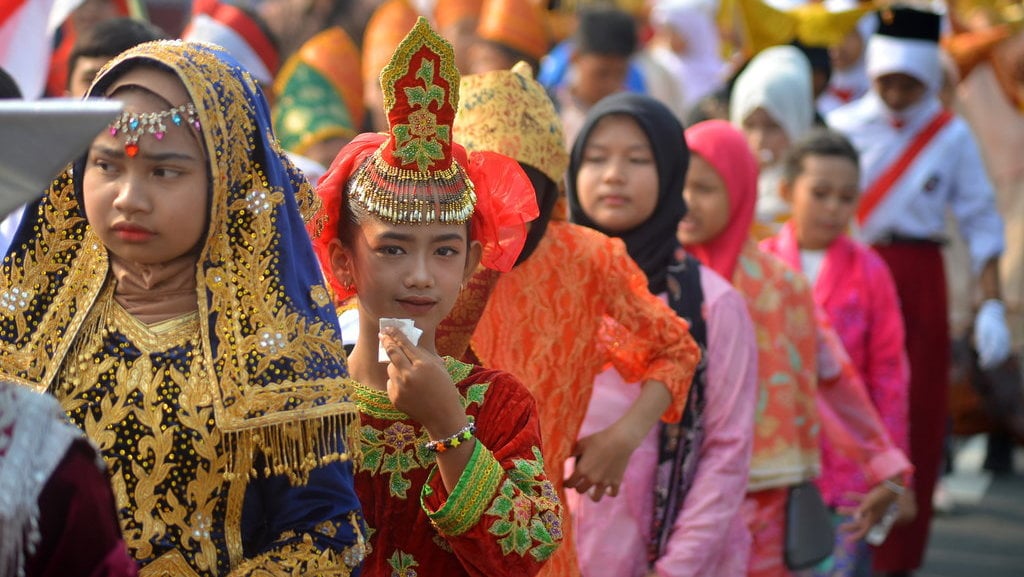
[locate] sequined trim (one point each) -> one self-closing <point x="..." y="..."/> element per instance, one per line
<point x="420" y="36"/>
<point x="402" y="196"/>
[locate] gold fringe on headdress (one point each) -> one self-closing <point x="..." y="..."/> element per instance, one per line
<point x="403" y="196"/>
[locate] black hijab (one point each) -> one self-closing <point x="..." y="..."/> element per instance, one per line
<point x="652" y="243"/>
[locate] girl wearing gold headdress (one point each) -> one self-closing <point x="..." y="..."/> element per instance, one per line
<point x="452" y="479"/>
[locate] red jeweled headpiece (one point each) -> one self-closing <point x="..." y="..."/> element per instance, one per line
<point x="413" y="177"/>
<point x="416" y="174"/>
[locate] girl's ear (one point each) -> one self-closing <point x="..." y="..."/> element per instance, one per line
<point x="342" y="263"/>
<point x="476" y="251"/>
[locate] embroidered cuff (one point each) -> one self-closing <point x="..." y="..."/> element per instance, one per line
<point x="472" y="495"/>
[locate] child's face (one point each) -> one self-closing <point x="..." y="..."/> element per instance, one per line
<point x="823" y="198"/>
<point x="899" y="91"/>
<point x="848" y="52"/>
<point x="486" y="57"/>
<point x="406" y="271"/>
<point x="707" y="201"/>
<point x="765" y="136"/>
<point x="150" y="208"/>
<point x="617" y="182"/>
<point x="81" y="76"/>
<point x="461" y="34"/>
<point x="596" y="76"/>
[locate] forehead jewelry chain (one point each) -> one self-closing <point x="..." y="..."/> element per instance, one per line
<point x="133" y="126"/>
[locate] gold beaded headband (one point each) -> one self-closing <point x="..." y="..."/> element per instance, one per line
<point x="133" y="125"/>
<point x="409" y="197"/>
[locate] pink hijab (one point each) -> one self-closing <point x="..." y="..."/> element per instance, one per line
<point x="726" y="150"/>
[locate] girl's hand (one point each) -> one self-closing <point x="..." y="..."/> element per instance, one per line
<point x="419" y="386"/>
<point x="907" y="502"/>
<point x="868" y="512"/>
<point x="601" y="461"/>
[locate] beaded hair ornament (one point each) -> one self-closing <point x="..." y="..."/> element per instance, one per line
<point x="413" y="177"/>
<point x="133" y="126"/>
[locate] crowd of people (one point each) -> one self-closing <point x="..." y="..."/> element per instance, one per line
<point x="507" y="287"/>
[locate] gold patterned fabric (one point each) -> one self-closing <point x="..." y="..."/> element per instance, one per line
<point x="509" y="112"/>
<point x="213" y="423"/>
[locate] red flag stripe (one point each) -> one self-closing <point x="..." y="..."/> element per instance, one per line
<point x="9" y="8"/>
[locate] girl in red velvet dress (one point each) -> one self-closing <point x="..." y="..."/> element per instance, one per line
<point x="451" y="480"/>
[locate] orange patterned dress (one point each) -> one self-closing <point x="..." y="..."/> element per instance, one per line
<point x="546" y="322"/>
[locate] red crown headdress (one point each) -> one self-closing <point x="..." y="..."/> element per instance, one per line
<point x="413" y="177"/>
<point x="415" y="174"/>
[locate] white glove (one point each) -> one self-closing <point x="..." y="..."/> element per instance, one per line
<point x="991" y="335"/>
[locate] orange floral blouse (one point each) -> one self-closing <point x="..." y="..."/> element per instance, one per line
<point x="547" y="322"/>
<point x="786" y="420"/>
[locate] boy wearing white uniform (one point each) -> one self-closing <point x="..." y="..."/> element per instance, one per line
<point x="918" y="160"/>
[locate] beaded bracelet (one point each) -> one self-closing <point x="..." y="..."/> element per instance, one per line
<point x="462" y="435"/>
<point x="894" y="487"/>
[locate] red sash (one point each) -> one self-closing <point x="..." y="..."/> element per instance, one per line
<point x="879" y="189"/>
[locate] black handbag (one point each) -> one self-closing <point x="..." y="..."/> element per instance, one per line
<point x="810" y="536"/>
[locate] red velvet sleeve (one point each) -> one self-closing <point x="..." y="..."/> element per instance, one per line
<point x="80" y="534"/>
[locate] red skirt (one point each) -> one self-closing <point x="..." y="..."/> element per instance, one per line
<point x="921" y="284"/>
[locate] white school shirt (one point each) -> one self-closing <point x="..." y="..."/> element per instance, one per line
<point x="947" y="174"/>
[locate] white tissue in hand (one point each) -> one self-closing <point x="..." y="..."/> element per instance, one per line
<point x="408" y="329"/>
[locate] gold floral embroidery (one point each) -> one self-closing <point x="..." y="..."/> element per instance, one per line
<point x="299" y="558"/>
<point x="171" y="564"/>
<point x="141" y="394"/>
<point x="320" y="296"/>
<point x="304" y="557"/>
